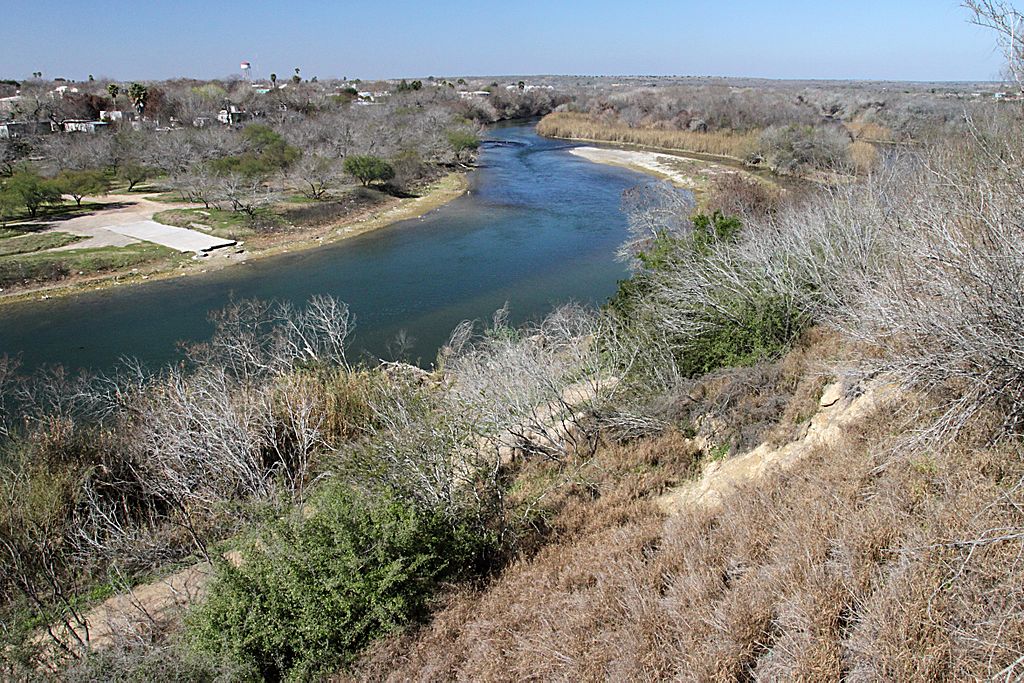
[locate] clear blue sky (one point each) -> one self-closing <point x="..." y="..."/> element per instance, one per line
<point x="155" y="39"/>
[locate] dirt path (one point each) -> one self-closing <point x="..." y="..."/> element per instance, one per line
<point x="144" y="610"/>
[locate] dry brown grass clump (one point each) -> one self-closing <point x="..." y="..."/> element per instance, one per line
<point x="863" y="156"/>
<point x="579" y="126"/>
<point x="869" y="131"/>
<point x="854" y="564"/>
<point x="737" y="408"/>
<point x="733" y="194"/>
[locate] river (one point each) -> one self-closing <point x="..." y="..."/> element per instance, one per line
<point x="539" y="227"/>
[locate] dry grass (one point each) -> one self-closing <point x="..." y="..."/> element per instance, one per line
<point x="868" y="131"/>
<point x="584" y="127"/>
<point x="854" y="564"/>
<point x="864" y="156"/>
<point x="734" y="194"/>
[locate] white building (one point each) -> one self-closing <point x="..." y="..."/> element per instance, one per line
<point x="83" y="126"/>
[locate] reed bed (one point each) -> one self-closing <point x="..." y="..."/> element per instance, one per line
<point x="585" y="127"/>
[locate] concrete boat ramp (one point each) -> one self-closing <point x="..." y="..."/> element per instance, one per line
<point x="130" y="221"/>
<point x="182" y="239"/>
<point x="179" y="239"/>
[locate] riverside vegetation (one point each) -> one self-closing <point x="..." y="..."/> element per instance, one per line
<point x="809" y="129"/>
<point x="497" y="518"/>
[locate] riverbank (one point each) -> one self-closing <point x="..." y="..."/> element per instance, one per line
<point x="677" y="154"/>
<point x="393" y="211"/>
<point x="538" y="227"/>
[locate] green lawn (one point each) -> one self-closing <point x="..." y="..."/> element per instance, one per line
<point x="159" y="194"/>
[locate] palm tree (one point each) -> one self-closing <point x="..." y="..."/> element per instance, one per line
<point x="138" y="94"/>
<point x="113" y="89"/>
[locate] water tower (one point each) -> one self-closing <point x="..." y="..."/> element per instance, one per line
<point x="246" y="70"/>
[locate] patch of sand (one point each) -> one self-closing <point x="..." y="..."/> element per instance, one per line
<point x="684" y="172"/>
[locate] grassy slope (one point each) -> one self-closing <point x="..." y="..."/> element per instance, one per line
<point x="42" y="266"/>
<point x="216" y="222"/>
<point x="837" y="567"/>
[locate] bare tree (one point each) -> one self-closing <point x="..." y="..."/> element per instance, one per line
<point x="1008" y="23"/>
<point x="654" y="210"/>
<point x="315" y="174"/>
<point x="246" y="194"/>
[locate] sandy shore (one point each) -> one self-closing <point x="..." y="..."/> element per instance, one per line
<point x="438" y="194"/>
<point x="686" y="172"/>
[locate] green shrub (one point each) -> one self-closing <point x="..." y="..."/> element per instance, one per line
<point x="312" y="592"/>
<point x="32" y="191"/>
<point x="461" y="140"/>
<point x="368" y="169"/>
<point x="701" y="305"/>
<point x="744" y="333"/>
<point x="268" y="153"/>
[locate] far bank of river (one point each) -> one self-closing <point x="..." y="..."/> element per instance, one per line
<point x="538" y="227"/>
<point x="433" y="196"/>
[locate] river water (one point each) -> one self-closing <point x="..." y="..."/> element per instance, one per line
<point x="538" y="228"/>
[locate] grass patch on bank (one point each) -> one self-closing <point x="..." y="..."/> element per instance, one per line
<point x="39" y="267"/>
<point x="26" y="244"/>
<point x="217" y="222"/>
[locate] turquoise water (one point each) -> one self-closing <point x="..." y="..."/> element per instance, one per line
<point x="538" y="228"/>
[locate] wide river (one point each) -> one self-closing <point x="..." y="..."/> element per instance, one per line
<point x="538" y="228"/>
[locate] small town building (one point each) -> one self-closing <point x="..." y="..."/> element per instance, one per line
<point x="84" y="126"/>
<point x="19" y="129"/>
<point x="232" y="115"/>
<point x="116" y="116"/>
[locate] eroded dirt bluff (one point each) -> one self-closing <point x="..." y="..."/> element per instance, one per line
<point x="840" y="408"/>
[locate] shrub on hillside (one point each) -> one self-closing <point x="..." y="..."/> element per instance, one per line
<point x="795" y="149"/>
<point x="696" y="301"/>
<point x="312" y="591"/>
<point x="946" y="312"/>
<point x="734" y="194"/>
